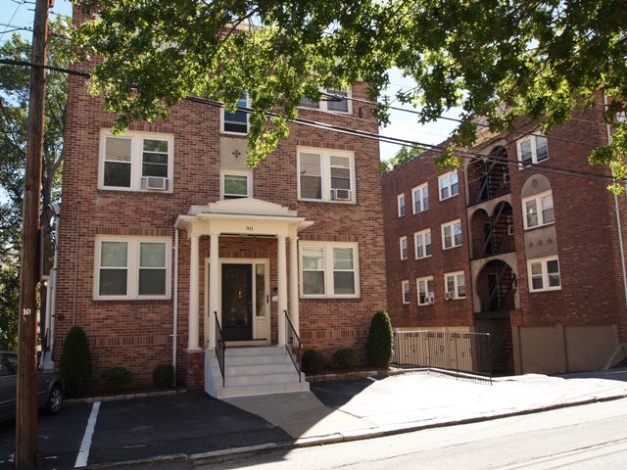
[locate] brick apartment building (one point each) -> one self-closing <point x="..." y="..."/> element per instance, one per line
<point x="523" y="242"/>
<point x="165" y="228"/>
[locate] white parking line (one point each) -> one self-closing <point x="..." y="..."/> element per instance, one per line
<point x="83" y="453"/>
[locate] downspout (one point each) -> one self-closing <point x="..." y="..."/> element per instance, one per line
<point x="51" y="301"/>
<point x="619" y="229"/>
<point x="175" y="300"/>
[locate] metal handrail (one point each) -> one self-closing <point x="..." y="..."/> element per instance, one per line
<point x="220" y="349"/>
<point x="293" y="343"/>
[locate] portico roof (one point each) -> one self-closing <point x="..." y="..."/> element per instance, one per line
<point x="248" y="216"/>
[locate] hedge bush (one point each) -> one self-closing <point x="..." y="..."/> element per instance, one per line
<point x="163" y="376"/>
<point x="75" y="366"/>
<point x="116" y="378"/>
<point x="313" y="361"/>
<point x="380" y="337"/>
<point x="345" y="357"/>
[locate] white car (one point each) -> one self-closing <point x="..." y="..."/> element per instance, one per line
<point x="49" y="388"/>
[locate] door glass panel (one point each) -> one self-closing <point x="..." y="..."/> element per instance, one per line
<point x="260" y="290"/>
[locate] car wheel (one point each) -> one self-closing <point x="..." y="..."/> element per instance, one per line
<point x="55" y="400"/>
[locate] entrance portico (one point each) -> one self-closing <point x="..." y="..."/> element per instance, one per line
<point x="246" y="218"/>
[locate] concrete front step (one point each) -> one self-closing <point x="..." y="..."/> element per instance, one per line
<point x="253" y="371"/>
<point x="251" y="390"/>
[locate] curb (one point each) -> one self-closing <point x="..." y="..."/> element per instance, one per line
<point x="349" y="436"/>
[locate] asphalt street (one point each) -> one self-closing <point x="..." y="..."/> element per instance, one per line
<point x="194" y="427"/>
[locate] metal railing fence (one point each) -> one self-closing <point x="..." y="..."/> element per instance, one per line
<point x="464" y="352"/>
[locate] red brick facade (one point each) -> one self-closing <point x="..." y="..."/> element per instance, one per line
<point x="138" y="334"/>
<point x="497" y="248"/>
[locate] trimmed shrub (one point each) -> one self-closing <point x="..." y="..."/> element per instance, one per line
<point x="313" y="361"/>
<point x="380" y="336"/>
<point x="163" y="376"/>
<point x="116" y="378"/>
<point x="345" y="357"/>
<point x="75" y="366"/>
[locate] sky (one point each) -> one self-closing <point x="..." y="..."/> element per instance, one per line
<point x="17" y="15"/>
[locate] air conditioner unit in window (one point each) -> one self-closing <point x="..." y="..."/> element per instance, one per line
<point x="510" y="229"/>
<point x="449" y="295"/>
<point x="155" y="183"/>
<point x="428" y="300"/>
<point x="341" y="194"/>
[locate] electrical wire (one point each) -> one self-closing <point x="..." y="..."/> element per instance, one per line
<point x="438" y="149"/>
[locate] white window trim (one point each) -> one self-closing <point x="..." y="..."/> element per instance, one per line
<point x="533" y="140"/>
<point x="455" y="276"/>
<point x="136" y="159"/>
<point x="448" y="177"/>
<point x="328" y="269"/>
<point x="419" y="190"/>
<point x="429" y="294"/>
<point x="538" y="198"/>
<point x="325" y="169"/>
<point x="404" y="248"/>
<point x="405" y="292"/>
<point x="249" y="176"/>
<point x="402" y="208"/>
<point x="132" y="281"/>
<point x="545" y="274"/>
<point x="452" y="224"/>
<point x="323" y="103"/>
<point x="222" y="111"/>
<point x="422" y="234"/>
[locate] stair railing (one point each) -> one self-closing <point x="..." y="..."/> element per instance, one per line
<point x="220" y="349"/>
<point x="293" y="345"/>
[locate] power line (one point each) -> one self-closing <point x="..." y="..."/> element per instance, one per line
<point x="11" y="20"/>
<point x="467" y="154"/>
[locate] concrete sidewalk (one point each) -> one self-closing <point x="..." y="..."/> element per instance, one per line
<point x="419" y="400"/>
<point x="192" y="429"/>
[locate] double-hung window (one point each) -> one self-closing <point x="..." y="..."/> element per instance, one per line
<point x="400" y="200"/>
<point x="532" y="149"/>
<point x="422" y="242"/>
<point x="538" y="210"/>
<point x="237" y="122"/>
<point x="420" y="198"/>
<point x="403" y="247"/>
<point x="452" y="234"/>
<point x="449" y="185"/>
<point x="455" y="285"/>
<point x="406" y="292"/>
<point x="335" y="101"/>
<point x="544" y="274"/>
<point x="136" y="162"/>
<point x="326" y="175"/>
<point x="132" y="268"/>
<point x="329" y="270"/>
<point x="425" y="290"/>
<point x="236" y="184"/>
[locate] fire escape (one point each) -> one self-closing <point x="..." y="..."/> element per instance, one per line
<point x="493" y="238"/>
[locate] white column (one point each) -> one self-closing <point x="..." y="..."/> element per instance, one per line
<point x="192" y="343"/>
<point x="294" y="314"/>
<point x="214" y="280"/>
<point x="282" y="275"/>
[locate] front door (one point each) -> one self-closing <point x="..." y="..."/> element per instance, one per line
<point x="237" y="302"/>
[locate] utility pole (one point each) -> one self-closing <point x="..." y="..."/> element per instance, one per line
<point x="26" y="449"/>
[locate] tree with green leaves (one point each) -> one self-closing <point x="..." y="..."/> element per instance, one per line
<point x="401" y="157"/>
<point x="14" y="94"/>
<point x="499" y="59"/>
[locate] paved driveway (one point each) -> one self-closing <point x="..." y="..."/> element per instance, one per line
<point x="142" y="428"/>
